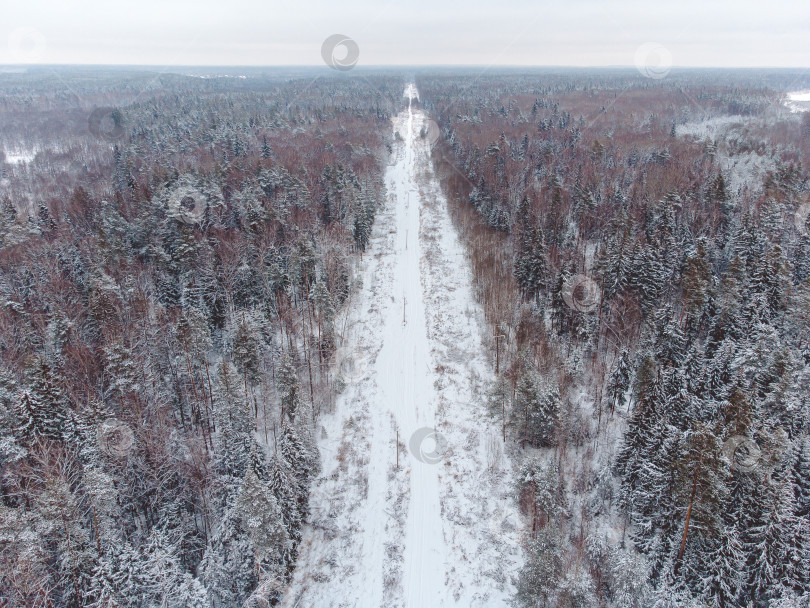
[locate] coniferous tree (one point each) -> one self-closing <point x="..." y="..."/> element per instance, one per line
<point x="530" y="257"/>
<point x="301" y="463"/>
<point x="770" y="564"/>
<point x="284" y="486"/>
<point x="42" y="410"/>
<point x="696" y="281"/>
<point x="801" y="479"/>
<point x="539" y="579"/>
<point x="619" y="382"/>
<point x="246" y="349"/>
<point x="262" y="520"/>
<point x="288" y="386"/>
<point x="234" y="421"/>
<point x="228" y="568"/>
<point x="537" y="405"/>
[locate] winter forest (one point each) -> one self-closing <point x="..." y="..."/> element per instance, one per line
<point x="536" y="338"/>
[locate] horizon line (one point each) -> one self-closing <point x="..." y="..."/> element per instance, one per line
<point x="6" y="66"/>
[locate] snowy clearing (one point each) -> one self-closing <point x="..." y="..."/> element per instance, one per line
<point x="798" y="101"/>
<point x="713" y="127"/>
<point x="442" y="528"/>
<point x="19" y="156"/>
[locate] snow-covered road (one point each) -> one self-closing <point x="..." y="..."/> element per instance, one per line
<point x="439" y="529"/>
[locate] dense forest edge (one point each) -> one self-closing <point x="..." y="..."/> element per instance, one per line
<point x="176" y="260"/>
<point x="641" y="248"/>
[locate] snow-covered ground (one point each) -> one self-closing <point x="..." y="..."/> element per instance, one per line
<point x="713" y="127"/>
<point x="798" y="101"/>
<point x="441" y="529"/>
<point x="19" y="156"/>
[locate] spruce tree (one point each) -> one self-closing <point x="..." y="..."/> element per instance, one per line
<point x="262" y="520"/>
<point x="234" y="423"/>
<point x="288" y="386"/>
<point x="228" y="568"/>
<point x="539" y="580"/>
<point x="301" y="462"/>
<point x="619" y="382"/>
<point x="530" y="257"/>
<point x="42" y="410"/>
<point x="801" y="478"/>
<point x="768" y="544"/>
<point x="537" y="405"/>
<point x="284" y="486"/>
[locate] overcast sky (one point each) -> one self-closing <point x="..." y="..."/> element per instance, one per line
<point x="419" y="32"/>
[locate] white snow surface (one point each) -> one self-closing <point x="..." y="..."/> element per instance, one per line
<point x="798" y="101"/>
<point x="799" y="96"/>
<point x="411" y="92"/>
<point x="19" y="156"/>
<point x="714" y="127"/>
<point x="426" y="534"/>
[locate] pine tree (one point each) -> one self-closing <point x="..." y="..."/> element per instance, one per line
<point x="700" y="488"/>
<point x="326" y="318"/>
<point x="302" y="264"/>
<point x="327" y="210"/>
<point x="247" y="288"/>
<point x="190" y="593"/>
<point x="103" y="591"/>
<point x="121" y="369"/>
<point x="62" y="522"/>
<point x="163" y="574"/>
<point x="104" y="506"/>
<point x="628" y="572"/>
<point x="541" y="489"/>
<point x="577" y="589"/>
<point x="560" y="313"/>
